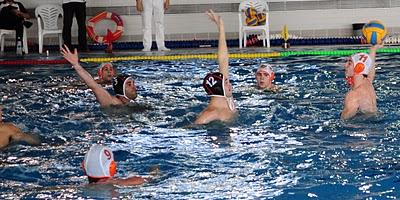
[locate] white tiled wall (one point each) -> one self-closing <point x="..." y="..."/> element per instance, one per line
<point x="329" y="22"/>
<point x="107" y="3"/>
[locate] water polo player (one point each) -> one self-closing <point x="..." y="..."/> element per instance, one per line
<point x="106" y="72"/>
<point x="11" y="133"/>
<point x="100" y="168"/>
<point x="217" y="85"/>
<point x="360" y="73"/>
<point x="124" y="86"/>
<point x="264" y="77"/>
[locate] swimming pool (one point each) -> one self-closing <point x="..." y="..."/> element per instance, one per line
<point x="289" y="145"/>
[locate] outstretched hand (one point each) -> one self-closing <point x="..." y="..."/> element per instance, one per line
<point x="214" y="17"/>
<point x="70" y="57"/>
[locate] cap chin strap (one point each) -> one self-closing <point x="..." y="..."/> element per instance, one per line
<point x="350" y="80"/>
<point x="231" y="103"/>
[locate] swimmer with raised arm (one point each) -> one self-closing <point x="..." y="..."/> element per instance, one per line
<point x="360" y="73"/>
<point x="11" y="133"/>
<point x="217" y="85"/>
<point x="124" y="86"/>
<point x="264" y="77"/>
<point x="99" y="166"/>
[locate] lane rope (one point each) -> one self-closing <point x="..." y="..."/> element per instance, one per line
<point x="203" y="56"/>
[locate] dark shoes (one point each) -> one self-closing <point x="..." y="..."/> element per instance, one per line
<point x="27" y="24"/>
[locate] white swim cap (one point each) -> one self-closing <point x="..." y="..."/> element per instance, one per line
<point x="266" y="68"/>
<point x="101" y="68"/>
<point x="362" y="63"/>
<point x="99" y="162"/>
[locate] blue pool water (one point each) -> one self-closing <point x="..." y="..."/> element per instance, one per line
<point x="289" y="145"/>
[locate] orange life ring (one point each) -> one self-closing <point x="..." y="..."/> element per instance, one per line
<point x="111" y="36"/>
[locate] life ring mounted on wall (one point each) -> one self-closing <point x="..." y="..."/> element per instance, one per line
<point x="111" y="36"/>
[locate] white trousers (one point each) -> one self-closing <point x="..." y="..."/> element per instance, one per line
<point x="153" y="8"/>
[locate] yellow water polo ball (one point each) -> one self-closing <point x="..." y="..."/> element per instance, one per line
<point x="262" y="18"/>
<point x="253" y="21"/>
<point x="250" y="12"/>
<point x="374" y="32"/>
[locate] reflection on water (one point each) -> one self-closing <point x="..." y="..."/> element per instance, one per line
<point x="287" y="145"/>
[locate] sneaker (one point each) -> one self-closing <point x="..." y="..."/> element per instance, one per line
<point x="164" y="49"/>
<point x="27" y="24"/>
<point x="146" y="50"/>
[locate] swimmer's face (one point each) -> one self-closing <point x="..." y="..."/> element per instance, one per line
<point x="108" y="73"/>
<point x="130" y="89"/>
<point x="228" y="87"/>
<point x="348" y="67"/>
<point x="263" y="80"/>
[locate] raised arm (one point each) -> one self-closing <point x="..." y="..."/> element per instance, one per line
<point x="372" y="54"/>
<point x="102" y="96"/>
<point x="223" y="57"/>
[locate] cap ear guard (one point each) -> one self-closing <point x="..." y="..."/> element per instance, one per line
<point x="362" y="63"/>
<point x="83" y="166"/>
<point x="359" y="67"/>
<point x="100" y="72"/>
<point x="113" y="168"/>
<point x="272" y="76"/>
<point x="99" y="162"/>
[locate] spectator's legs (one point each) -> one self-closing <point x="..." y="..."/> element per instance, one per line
<point x="80" y="13"/>
<point x="159" y="23"/>
<point x="147" y="15"/>
<point x="19" y="32"/>
<point x="14" y="24"/>
<point x="68" y="16"/>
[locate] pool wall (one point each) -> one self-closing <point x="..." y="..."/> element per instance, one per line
<point x="185" y="19"/>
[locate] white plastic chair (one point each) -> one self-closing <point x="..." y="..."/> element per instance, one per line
<point x="261" y="6"/>
<point x="4" y="32"/>
<point x="47" y="16"/>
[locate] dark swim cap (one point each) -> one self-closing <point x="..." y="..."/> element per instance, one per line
<point x="119" y="84"/>
<point x="213" y="84"/>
